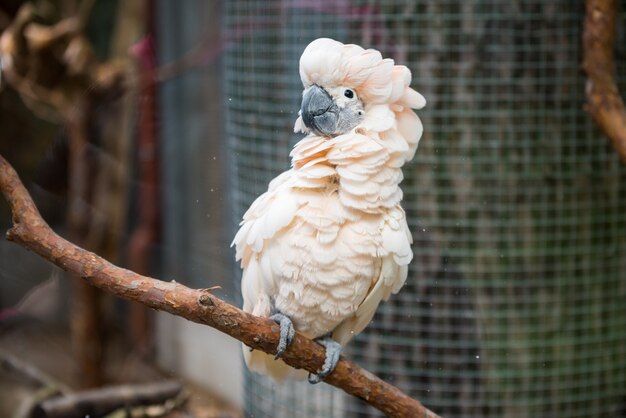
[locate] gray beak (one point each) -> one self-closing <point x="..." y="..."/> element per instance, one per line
<point x="319" y="112"/>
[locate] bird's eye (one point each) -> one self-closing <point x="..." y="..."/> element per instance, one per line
<point x="348" y="93"/>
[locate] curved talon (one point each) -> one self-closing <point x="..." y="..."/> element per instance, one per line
<point x="333" y="352"/>
<point x="313" y="379"/>
<point x="286" y="333"/>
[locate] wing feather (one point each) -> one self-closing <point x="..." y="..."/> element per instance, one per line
<point x="268" y="214"/>
<point x="395" y="257"/>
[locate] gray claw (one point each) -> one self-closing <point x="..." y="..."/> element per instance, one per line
<point x="286" y="333"/>
<point x="333" y="352"/>
<point x="314" y="379"/>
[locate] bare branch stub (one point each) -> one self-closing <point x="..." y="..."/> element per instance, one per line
<point x="604" y="103"/>
<point x="32" y="232"/>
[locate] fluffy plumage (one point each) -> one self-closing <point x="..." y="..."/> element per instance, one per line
<point x="329" y="240"/>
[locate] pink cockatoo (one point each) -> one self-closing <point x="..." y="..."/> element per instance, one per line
<point x="329" y="240"/>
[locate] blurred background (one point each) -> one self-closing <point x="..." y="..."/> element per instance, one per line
<point x="145" y="128"/>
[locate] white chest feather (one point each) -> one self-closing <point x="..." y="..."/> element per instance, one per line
<point x="323" y="264"/>
<point x="315" y="258"/>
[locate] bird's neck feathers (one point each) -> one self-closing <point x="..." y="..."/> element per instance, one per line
<point x="363" y="165"/>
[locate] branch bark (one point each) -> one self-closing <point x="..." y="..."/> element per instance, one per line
<point x="604" y="102"/>
<point x="31" y="231"/>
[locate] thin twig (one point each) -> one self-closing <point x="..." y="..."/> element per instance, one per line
<point x="101" y="401"/>
<point x="32" y="232"/>
<point x="30" y="373"/>
<point x="604" y="102"/>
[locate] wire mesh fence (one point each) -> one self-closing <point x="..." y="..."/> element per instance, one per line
<point x="515" y="304"/>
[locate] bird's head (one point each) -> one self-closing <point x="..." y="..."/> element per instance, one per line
<point x="331" y="111"/>
<point x="342" y="83"/>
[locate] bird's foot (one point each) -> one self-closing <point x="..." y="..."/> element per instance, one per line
<point x="333" y="351"/>
<point x="286" y="333"/>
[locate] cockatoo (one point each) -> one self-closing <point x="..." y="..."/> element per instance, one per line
<point x="329" y="240"/>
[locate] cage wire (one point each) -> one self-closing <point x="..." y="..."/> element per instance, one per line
<point x="515" y="305"/>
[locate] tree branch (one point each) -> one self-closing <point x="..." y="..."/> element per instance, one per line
<point x="32" y="232"/>
<point x="604" y="102"/>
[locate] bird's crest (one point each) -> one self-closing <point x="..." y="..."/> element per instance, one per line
<point x="377" y="80"/>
